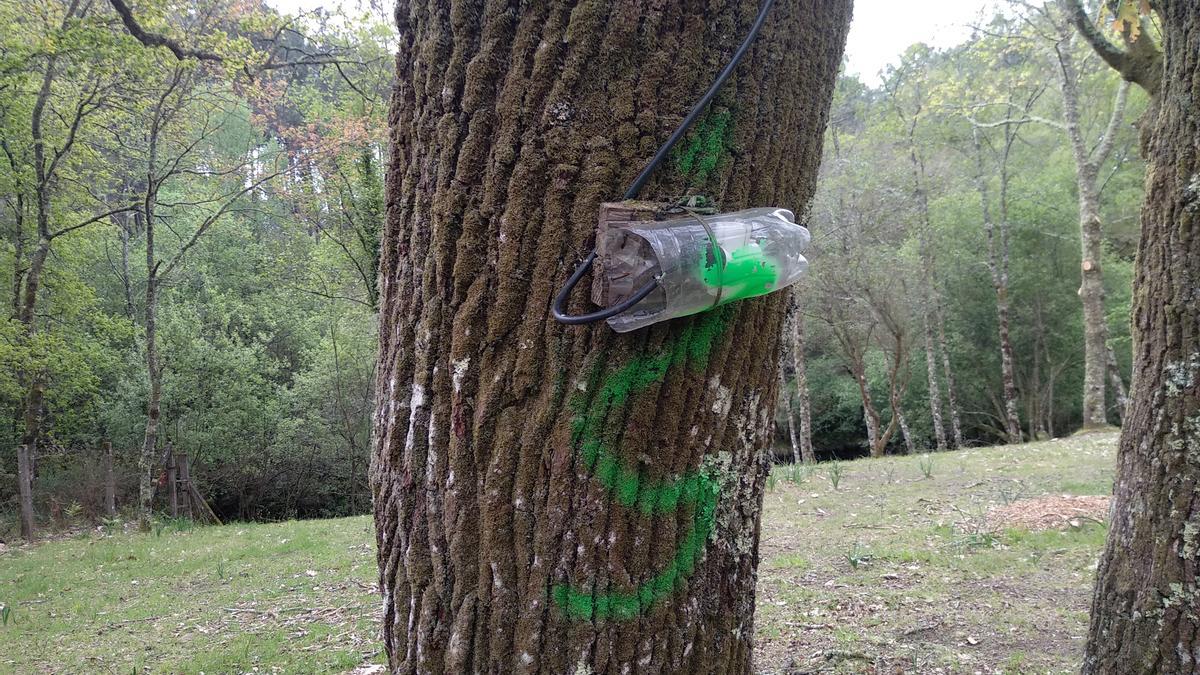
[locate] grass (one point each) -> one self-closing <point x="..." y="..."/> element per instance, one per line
<point x="901" y="573"/>
<point x="886" y="567"/>
<point x="294" y="597"/>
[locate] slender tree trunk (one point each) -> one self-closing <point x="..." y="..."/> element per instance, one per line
<point x="935" y="396"/>
<point x="930" y="282"/>
<point x="791" y="416"/>
<point x="148" y="459"/>
<point x="34" y="383"/>
<point x="951" y="395"/>
<point x="1118" y="384"/>
<point x="910" y="445"/>
<point x="1095" y="321"/>
<point x="803" y="399"/>
<point x="545" y="495"/>
<point x="784" y="352"/>
<point x="1144" y="616"/>
<point x="998" y="265"/>
<point x="870" y="414"/>
<point x="1091" y="232"/>
<point x="45" y="174"/>
<point x="110" y="485"/>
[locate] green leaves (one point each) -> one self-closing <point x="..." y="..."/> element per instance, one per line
<point x="1126" y="16"/>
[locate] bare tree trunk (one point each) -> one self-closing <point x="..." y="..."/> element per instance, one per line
<point x="998" y="265"/>
<point x="803" y="399"/>
<point x="791" y="417"/>
<point x="1144" y="617"/>
<point x="172" y="482"/>
<point x="1118" y="384"/>
<point x="935" y="396"/>
<point x="34" y="382"/>
<point x="870" y="414"/>
<point x="1091" y="232"/>
<point x="45" y="167"/>
<point x="568" y="499"/>
<point x="951" y="395"/>
<point x="784" y="352"/>
<point x="910" y="446"/>
<point x="148" y="459"/>
<point x="110" y="485"/>
<point x="930" y="280"/>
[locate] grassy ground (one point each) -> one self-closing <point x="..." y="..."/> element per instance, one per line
<point x="895" y="570"/>
<point x="891" y="570"/>
<point x="296" y="597"/>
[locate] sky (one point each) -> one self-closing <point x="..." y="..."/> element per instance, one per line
<point x="880" y="32"/>
<point x="883" y="29"/>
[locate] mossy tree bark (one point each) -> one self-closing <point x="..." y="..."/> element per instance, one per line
<point x="552" y="498"/>
<point x="1144" y="616"/>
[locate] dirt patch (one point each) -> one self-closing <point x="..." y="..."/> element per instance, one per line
<point x="1049" y="513"/>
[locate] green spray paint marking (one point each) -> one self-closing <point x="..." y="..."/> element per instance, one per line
<point x="615" y="604"/>
<point x="705" y="146"/>
<point x="631" y="486"/>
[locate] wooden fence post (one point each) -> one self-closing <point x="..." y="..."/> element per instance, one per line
<point x="110" y="486"/>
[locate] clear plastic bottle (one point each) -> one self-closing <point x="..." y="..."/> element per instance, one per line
<point x="702" y="262"/>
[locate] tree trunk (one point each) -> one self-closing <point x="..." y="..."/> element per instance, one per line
<point x="803" y="400"/>
<point x="791" y="415"/>
<point x="110" y="485"/>
<point x="1144" y="616"/>
<point x="910" y="445"/>
<point x="148" y="459"/>
<point x="568" y="499"/>
<point x="951" y="395"/>
<point x="172" y="482"/>
<point x="1091" y="231"/>
<point x="998" y="266"/>
<point x="930" y="283"/>
<point x="34" y="383"/>
<point x="1118" y="384"/>
<point x="784" y="352"/>
<point x="935" y="395"/>
<point x="870" y="414"/>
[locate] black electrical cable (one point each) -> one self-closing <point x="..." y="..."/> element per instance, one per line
<point x="560" y="300"/>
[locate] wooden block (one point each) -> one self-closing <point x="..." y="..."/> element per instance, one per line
<point x="613" y="214"/>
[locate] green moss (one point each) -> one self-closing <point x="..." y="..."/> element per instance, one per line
<point x="704" y="146"/>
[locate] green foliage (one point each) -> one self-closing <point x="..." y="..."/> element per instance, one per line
<point x="926" y="465"/>
<point x="266" y="322"/>
<point x="857" y="555"/>
<point x="833" y="471"/>
<point x="878" y="257"/>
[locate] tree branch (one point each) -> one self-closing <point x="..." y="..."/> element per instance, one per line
<point x="1140" y="64"/>
<point x="1104" y="148"/>
<point x="155" y="40"/>
<point x="93" y="219"/>
<point x="208" y="222"/>
<point x="1112" y="54"/>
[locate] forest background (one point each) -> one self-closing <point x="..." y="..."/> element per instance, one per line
<point x="190" y="247"/>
